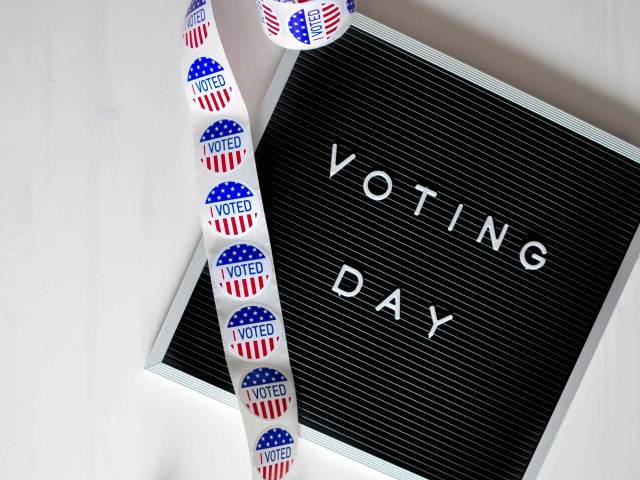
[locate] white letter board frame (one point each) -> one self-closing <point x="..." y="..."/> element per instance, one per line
<point x="486" y="82"/>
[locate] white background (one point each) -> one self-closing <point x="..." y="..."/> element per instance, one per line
<point x="98" y="222"/>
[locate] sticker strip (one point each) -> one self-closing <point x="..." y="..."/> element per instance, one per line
<point x="232" y="218"/>
<point x="305" y="24"/>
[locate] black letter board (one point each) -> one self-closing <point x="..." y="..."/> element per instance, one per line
<point x="529" y="268"/>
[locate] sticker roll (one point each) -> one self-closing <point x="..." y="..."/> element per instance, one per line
<point x="233" y="221"/>
<point x="305" y="24"/>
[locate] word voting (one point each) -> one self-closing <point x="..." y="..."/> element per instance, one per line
<point x="531" y="257"/>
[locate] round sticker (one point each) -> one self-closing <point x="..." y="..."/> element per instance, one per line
<point x="242" y="271"/>
<point x="208" y="85"/>
<point x="196" y="24"/>
<point x="311" y="25"/>
<point x="267" y="393"/>
<point x="268" y="18"/>
<point x="253" y="332"/>
<point x="223" y="146"/>
<point x="274" y="454"/>
<point x="232" y="209"/>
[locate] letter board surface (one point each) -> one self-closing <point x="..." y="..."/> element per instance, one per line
<point x="478" y="240"/>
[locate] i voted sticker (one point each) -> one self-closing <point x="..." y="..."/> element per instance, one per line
<point x="209" y="86"/>
<point x="197" y="24"/>
<point x="223" y="146"/>
<point x="274" y="454"/>
<point x="242" y="271"/>
<point x="232" y="209"/>
<point x="268" y="18"/>
<point x="311" y="25"/>
<point x="267" y="393"/>
<point x="253" y="332"/>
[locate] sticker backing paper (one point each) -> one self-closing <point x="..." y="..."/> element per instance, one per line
<point x="232" y="217"/>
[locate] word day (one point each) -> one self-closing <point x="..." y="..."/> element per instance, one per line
<point x="532" y="254"/>
<point x="392" y="302"/>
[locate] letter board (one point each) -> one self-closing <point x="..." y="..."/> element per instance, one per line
<point x="444" y="289"/>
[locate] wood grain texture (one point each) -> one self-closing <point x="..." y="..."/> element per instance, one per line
<point x="97" y="194"/>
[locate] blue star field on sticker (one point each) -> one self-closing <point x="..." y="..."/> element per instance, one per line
<point x="251" y="315"/>
<point x="298" y="27"/>
<point x="228" y="191"/>
<point x="276" y="437"/>
<point x="351" y="6"/>
<point x="239" y="253"/>
<point x="220" y="129"/>
<point x="263" y="376"/>
<point x="203" y="67"/>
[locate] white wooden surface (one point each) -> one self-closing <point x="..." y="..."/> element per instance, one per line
<point x="98" y="223"/>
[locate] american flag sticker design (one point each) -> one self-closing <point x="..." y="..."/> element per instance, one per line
<point x="253" y="332"/>
<point x="196" y="24"/>
<point x="208" y="84"/>
<point x="274" y="454"/>
<point x="268" y="18"/>
<point x="310" y="25"/>
<point x="223" y="146"/>
<point x="232" y="209"/>
<point x="242" y="271"/>
<point x="267" y="393"/>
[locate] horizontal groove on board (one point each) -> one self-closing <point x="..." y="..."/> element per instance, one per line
<point x="472" y="402"/>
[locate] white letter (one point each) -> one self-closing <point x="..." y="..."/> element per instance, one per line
<point x="387" y="178"/>
<point x="496" y="242"/>
<point x="425" y="193"/>
<point x="336" y="286"/>
<point x="437" y="322"/>
<point x="335" y="168"/>
<point x="541" y="260"/>
<point x="392" y="302"/>
<point x="454" y="220"/>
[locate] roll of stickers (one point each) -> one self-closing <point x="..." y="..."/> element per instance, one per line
<point x="305" y="24"/>
<point x="233" y="220"/>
